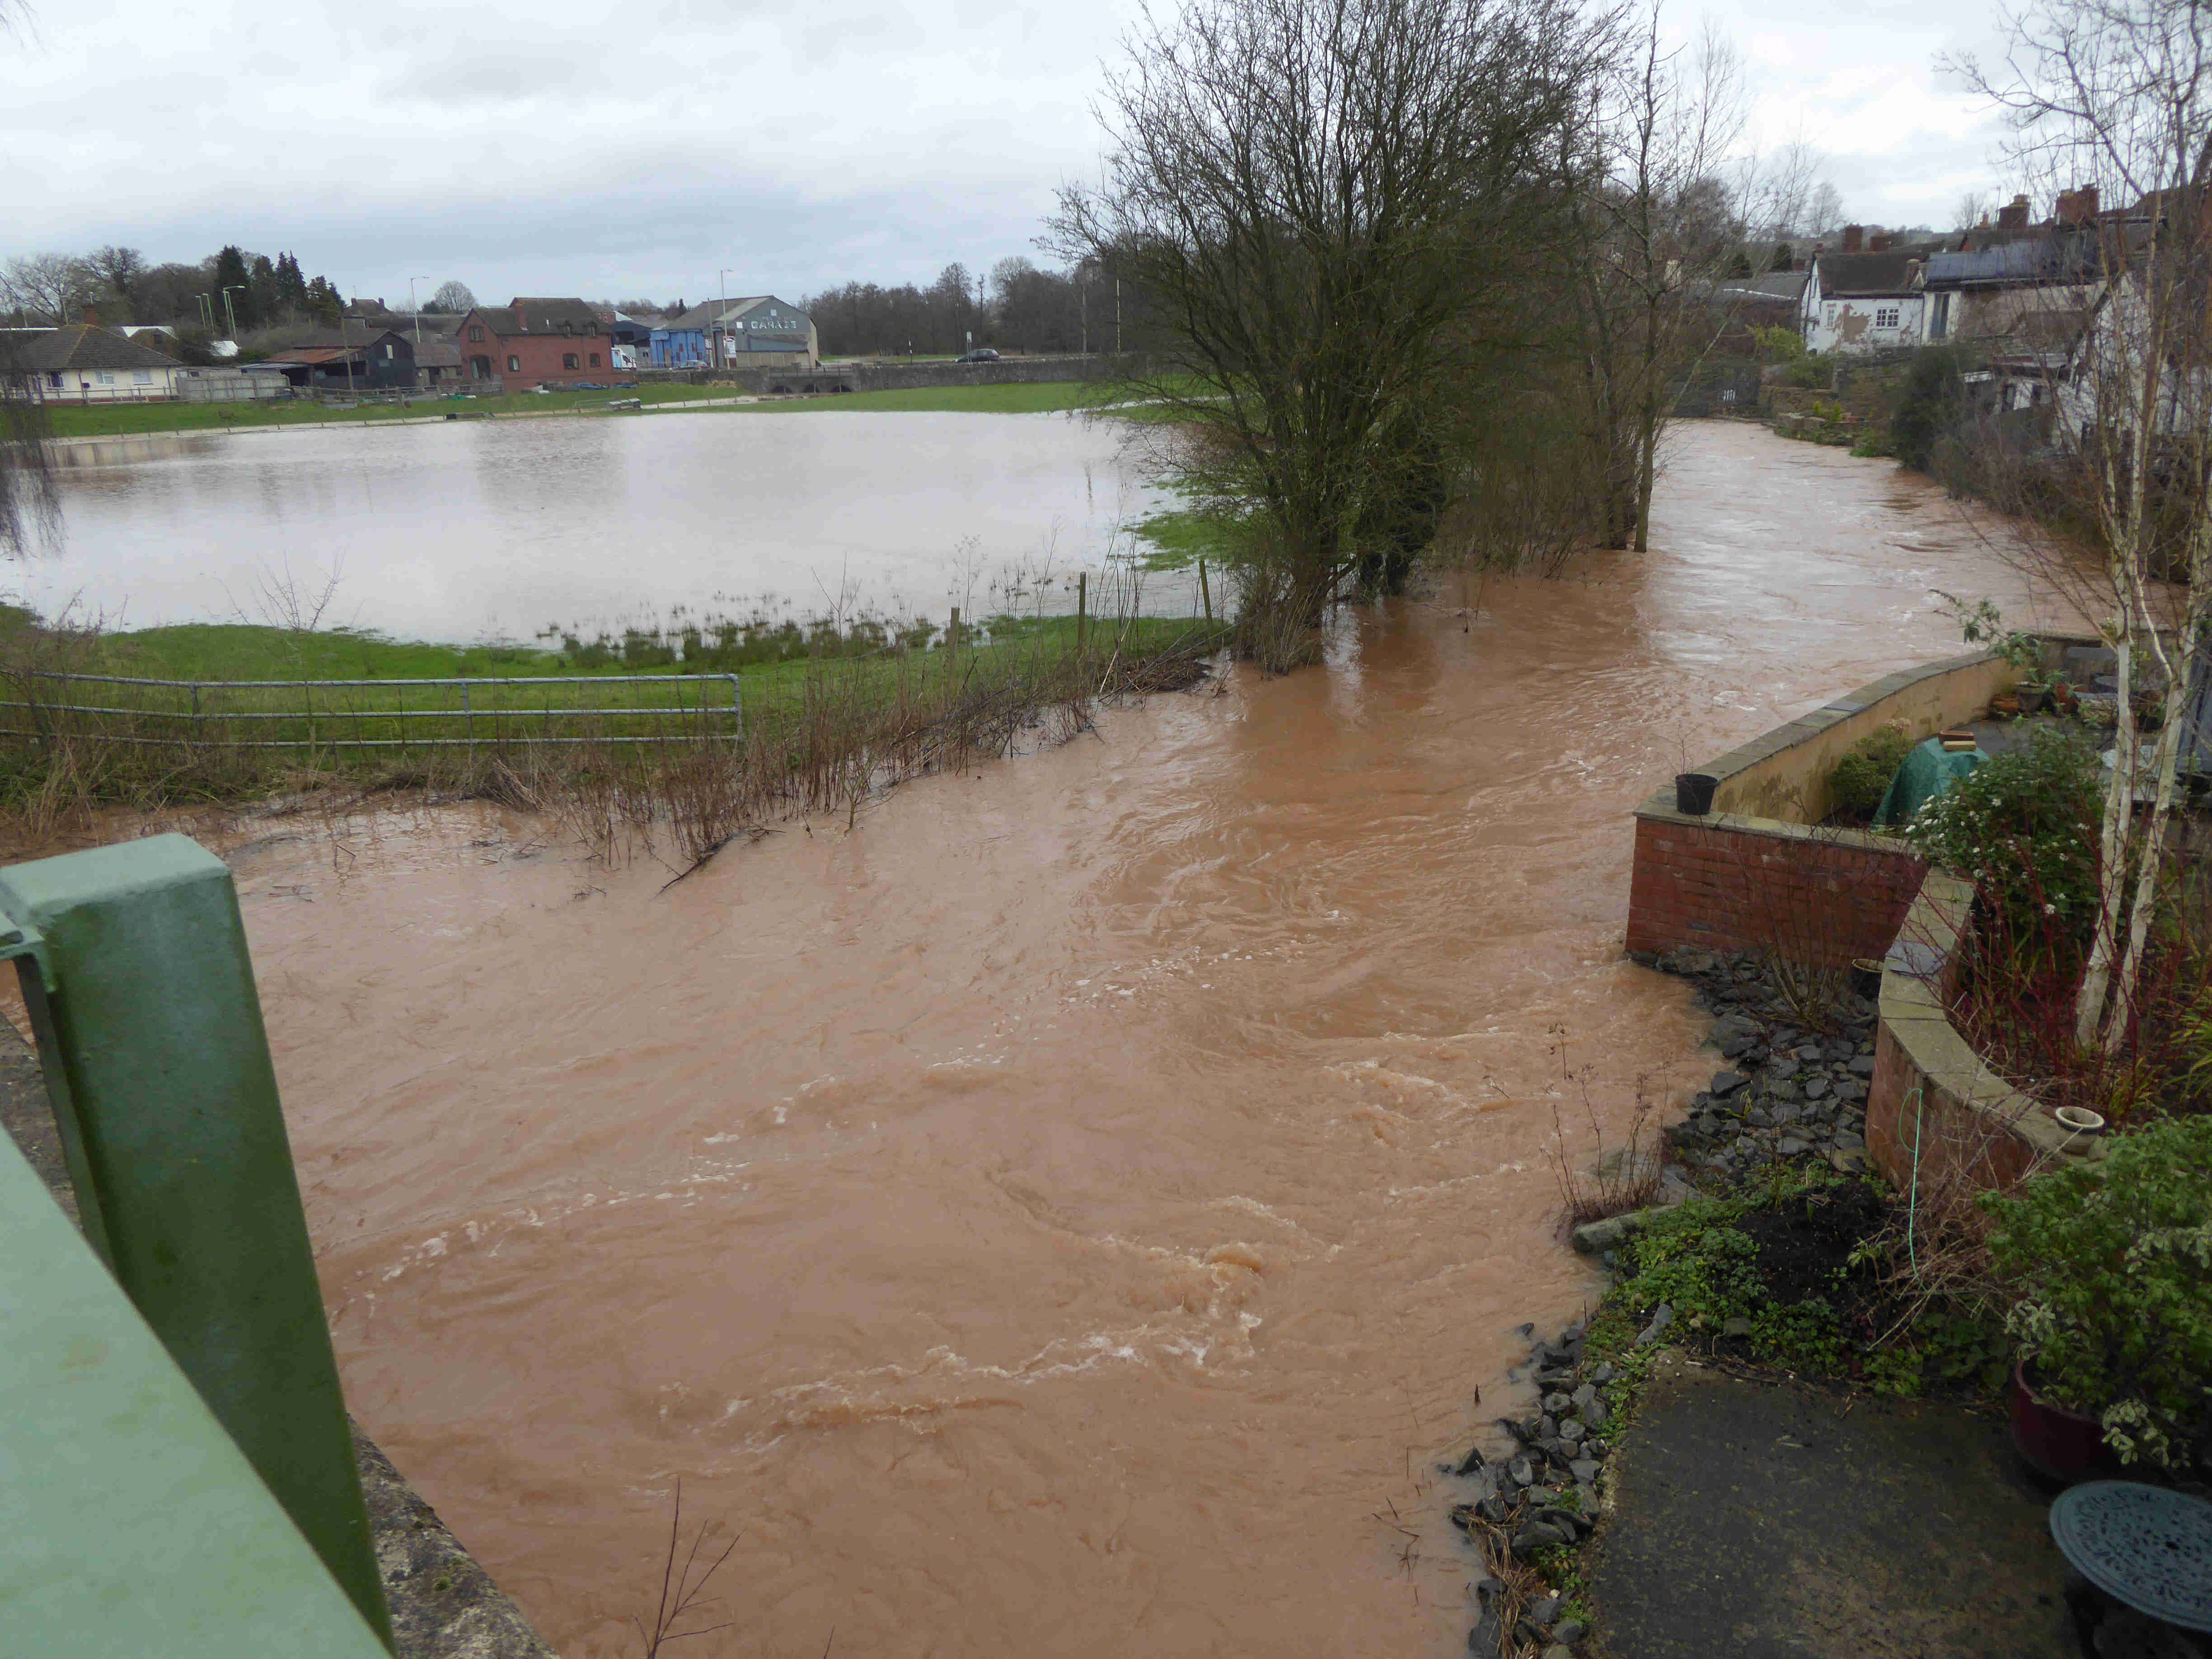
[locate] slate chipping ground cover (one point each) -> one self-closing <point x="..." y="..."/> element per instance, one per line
<point x="1765" y="1265"/>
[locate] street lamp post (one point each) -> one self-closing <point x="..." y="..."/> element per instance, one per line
<point x="416" y="309"/>
<point x="230" y="310"/>
<point x="722" y="317"/>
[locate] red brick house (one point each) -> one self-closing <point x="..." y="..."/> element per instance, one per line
<point x="528" y="343"/>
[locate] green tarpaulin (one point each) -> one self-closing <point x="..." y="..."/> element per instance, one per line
<point x="1928" y="771"/>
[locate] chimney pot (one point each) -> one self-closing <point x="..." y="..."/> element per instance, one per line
<point x="1879" y="243"/>
<point x="1853" y="238"/>
<point x="2013" y="218"/>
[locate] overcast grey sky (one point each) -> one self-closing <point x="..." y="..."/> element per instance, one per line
<point x="567" y="147"/>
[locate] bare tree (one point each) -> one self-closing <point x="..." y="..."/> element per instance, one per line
<point x="48" y="287"/>
<point x="1659" y="224"/>
<point x="2118" y="94"/>
<point x="453" y="298"/>
<point x="1307" y="194"/>
<point x="117" y="270"/>
<point x="1973" y="209"/>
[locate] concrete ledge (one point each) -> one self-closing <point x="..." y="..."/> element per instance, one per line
<point x="1934" y="1109"/>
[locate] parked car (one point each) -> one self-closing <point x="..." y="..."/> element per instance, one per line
<point x="980" y="355"/>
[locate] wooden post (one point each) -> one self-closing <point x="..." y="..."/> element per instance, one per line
<point x="952" y="642"/>
<point x="1205" y="594"/>
<point x="1082" y="617"/>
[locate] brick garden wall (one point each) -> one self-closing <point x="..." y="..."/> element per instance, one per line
<point x="1721" y="883"/>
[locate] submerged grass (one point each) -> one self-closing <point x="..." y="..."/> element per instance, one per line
<point x="624" y="765"/>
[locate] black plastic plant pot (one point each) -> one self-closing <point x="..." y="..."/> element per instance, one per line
<point x="1694" y="792"/>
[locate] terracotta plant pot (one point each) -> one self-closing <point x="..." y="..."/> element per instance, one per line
<point x="2065" y="1445"/>
<point x="2005" y="706"/>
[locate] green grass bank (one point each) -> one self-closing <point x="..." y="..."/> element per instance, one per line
<point x="127" y="419"/>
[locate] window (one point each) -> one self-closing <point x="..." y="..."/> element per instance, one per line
<point x="1885" y="317"/>
<point x="567" y="331"/>
<point x="475" y="335"/>
<point x="514" y="365"/>
<point x="105" y="378"/>
<point x="388" y="350"/>
<point x="595" y="360"/>
<point x="568" y="360"/>
<point x="1940" y="324"/>
<point x="141" y="377"/>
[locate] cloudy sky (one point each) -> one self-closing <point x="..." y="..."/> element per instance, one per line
<point x="569" y="147"/>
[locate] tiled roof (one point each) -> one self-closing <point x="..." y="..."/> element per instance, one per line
<point x="547" y="316"/>
<point x="82" y="345"/>
<point x="1847" y="274"/>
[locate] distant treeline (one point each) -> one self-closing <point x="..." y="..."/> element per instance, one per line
<point x="1017" y="308"/>
<point x="229" y="285"/>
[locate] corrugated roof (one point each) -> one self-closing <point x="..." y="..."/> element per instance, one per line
<point x="82" y="345"/>
<point x="1774" y="285"/>
<point x="2040" y="259"/>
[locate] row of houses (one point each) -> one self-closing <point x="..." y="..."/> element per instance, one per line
<point x="528" y="342"/>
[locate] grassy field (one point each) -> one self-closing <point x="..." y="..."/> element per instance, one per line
<point x="120" y="420"/>
<point x="814" y="707"/>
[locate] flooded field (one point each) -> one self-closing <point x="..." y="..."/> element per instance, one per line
<point x="1072" y="1211"/>
<point x="503" y="529"/>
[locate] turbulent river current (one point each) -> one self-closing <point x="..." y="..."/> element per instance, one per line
<point x="1073" y="1211"/>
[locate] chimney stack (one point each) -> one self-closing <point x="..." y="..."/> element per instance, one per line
<point x="1853" y="238"/>
<point x="2013" y="218"/>
<point x="2077" y="206"/>
<point x="1879" y="243"/>
<point x="90" y="316"/>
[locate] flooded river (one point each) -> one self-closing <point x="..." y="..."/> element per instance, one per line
<point x="503" y="529"/>
<point x="1072" y="1212"/>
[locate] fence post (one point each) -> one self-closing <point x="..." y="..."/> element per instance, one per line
<point x="141" y="993"/>
<point x="468" y="723"/>
<point x="1205" y="594"/>
<point x="952" y="642"/>
<point x="1082" y="619"/>
<point x="737" y="704"/>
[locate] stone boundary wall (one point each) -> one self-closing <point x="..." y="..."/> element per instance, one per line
<point x="1936" y="1114"/>
<point x="1756" y="874"/>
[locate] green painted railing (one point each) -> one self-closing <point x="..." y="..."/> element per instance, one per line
<point x="134" y="967"/>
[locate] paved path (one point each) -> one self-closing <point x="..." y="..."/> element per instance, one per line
<point x="1766" y="1522"/>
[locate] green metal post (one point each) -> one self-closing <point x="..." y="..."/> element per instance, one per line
<point x="141" y="996"/>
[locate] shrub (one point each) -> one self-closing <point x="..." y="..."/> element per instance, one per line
<point x="1779" y="345"/>
<point x="1808" y="372"/>
<point x="1931" y="408"/>
<point x="2110" y="1264"/>
<point x="2024" y="829"/>
<point x="1862" y="776"/>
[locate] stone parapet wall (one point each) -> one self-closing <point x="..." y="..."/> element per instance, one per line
<point x="1935" y="1112"/>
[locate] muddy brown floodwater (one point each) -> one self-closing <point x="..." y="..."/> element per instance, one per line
<point x="1072" y="1212"/>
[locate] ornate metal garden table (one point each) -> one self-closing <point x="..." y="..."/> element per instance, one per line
<point x="2145" y="1547"/>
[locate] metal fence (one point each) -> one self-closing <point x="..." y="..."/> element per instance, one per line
<point x="400" y="715"/>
